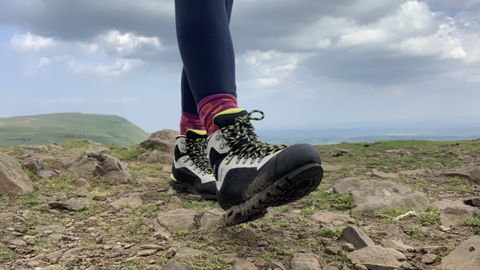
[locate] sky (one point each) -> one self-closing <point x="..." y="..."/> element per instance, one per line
<point x="305" y="63"/>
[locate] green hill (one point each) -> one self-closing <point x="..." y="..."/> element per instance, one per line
<point x="51" y="128"/>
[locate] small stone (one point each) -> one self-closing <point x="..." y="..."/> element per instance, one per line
<point x="429" y="258"/>
<point x="71" y="205"/>
<point x="242" y="264"/>
<point x="186" y="252"/>
<point x="384" y="175"/>
<point x="397" y="245"/>
<point x="151" y="246"/>
<point x="357" y="237"/>
<point x="332" y="250"/>
<point x="82" y="183"/>
<point x="146" y="252"/>
<point x="348" y="247"/>
<point x="21" y="228"/>
<point x="99" y="198"/>
<point x="128" y="202"/>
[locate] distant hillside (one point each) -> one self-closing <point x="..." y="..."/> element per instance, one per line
<point x="50" y="128"/>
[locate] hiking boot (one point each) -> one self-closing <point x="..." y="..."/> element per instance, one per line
<point x="253" y="175"/>
<point x="191" y="171"/>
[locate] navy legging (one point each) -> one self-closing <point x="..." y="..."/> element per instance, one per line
<point x="206" y="47"/>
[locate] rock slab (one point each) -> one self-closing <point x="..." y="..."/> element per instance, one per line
<point x="178" y="219"/>
<point x="377" y="258"/>
<point x="371" y="195"/>
<point x="454" y="213"/>
<point x="305" y="261"/>
<point x="13" y="179"/>
<point x="465" y="256"/>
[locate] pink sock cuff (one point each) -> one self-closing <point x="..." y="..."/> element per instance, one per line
<point x="211" y="105"/>
<point x="215" y="97"/>
<point x="190" y="121"/>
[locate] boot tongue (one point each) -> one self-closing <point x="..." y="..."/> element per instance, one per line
<point x="196" y="134"/>
<point x="227" y="117"/>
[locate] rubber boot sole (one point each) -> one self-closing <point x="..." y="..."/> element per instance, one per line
<point x="287" y="189"/>
<point x="189" y="189"/>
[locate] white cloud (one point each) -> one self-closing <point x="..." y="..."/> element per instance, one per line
<point x="270" y="68"/>
<point x="118" y="67"/>
<point x="43" y="61"/>
<point x="116" y="42"/>
<point x="29" y="42"/>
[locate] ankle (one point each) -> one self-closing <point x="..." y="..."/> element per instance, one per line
<point x="211" y="105"/>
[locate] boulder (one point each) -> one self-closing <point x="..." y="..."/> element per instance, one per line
<point x="13" y="179"/>
<point x="99" y="164"/>
<point x="465" y="256"/>
<point x="454" y="213"/>
<point x="472" y="173"/>
<point x="371" y="195"/>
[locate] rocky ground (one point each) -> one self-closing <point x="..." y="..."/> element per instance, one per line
<point x="387" y="205"/>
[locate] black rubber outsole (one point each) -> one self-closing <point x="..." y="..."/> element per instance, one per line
<point x="189" y="189"/>
<point x="287" y="189"/>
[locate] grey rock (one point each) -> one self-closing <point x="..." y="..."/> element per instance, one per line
<point x="13" y="180"/>
<point x="465" y="256"/>
<point x="186" y="252"/>
<point x="428" y="258"/>
<point x="454" y="213"/>
<point x="472" y="173"/>
<point x="158" y="144"/>
<point x="165" y="134"/>
<point x="384" y="175"/>
<point x="305" y="261"/>
<point x="371" y="195"/>
<point x="356" y="237"/>
<point x="397" y="245"/>
<point x="156" y="156"/>
<point x="175" y="265"/>
<point x="128" y="202"/>
<point x="99" y="164"/>
<point x="178" y="219"/>
<point x="146" y="252"/>
<point x="70" y="204"/>
<point x="376" y="258"/>
<point x="211" y="221"/>
<point x="242" y="264"/>
<point x="81" y="183"/>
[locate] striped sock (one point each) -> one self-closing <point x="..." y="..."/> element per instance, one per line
<point x="190" y="121"/>
<point x="211" y="105"/>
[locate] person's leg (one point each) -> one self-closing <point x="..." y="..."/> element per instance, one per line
<point x="190" y="118"/>
<point x="207" y="52"/>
